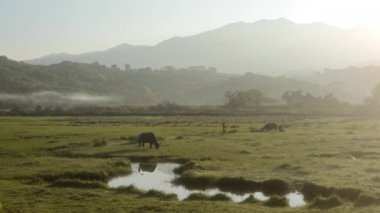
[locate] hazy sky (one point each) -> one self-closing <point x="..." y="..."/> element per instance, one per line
<point x="32" y="28"/>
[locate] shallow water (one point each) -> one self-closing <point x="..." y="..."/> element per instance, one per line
<point x="160" y="178"/>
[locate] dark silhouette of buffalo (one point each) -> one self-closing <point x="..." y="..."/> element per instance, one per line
<point x="148" y="137"/>
<point x="147" y="167"/>
<point x="272" y="127"/>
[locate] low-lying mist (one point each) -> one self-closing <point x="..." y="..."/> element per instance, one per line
<point x="56" y="99"/>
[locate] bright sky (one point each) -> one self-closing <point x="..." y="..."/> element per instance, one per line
<point x="33" y="28"/>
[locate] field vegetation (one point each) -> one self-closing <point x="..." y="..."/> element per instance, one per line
<point x="62" y="164"/>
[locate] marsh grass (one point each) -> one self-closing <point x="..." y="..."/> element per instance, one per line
<point x="250" y="199"/>
<point x="37" y="151"/>
<point x="312" y="191"/>
<point x="197" y="197"/>
<point x="184" y="167"/>
<point x="99" y="142"/>
<point x="367" y="200"/>
<point x="159" y="194"/>
<point x="237" y="185"/>
<point x="326" y="203"/>
<point x="276" y="201"/>
<point x="76" y="183"/>
<point x="129" y="189"/>
<point x="220" y="197"/>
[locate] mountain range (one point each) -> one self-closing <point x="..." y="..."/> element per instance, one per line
<point x="274" y="47"/>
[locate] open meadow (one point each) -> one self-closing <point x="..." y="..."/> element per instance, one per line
<point x="63" y="164"/>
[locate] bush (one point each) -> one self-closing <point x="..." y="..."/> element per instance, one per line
<point x="326" y="203"/>
<point x="276" y="201"/>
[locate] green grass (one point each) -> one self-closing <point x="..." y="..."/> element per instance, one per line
<point x="60" y="164"/>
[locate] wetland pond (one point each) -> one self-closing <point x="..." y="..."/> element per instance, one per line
<point x="160" y="177"/>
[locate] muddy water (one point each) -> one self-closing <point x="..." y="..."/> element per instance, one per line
<point x="160" y="177"/>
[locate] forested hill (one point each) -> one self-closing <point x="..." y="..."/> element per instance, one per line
<point x="190" y="86"/>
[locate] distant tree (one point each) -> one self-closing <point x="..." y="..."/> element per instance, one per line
<point x="127" y="67"/>
<point x="294" y="98"/>
<point x="241" y="99"/>
<point x="168" y="68"/>
<point x="374" y="99"/>
<point x="299" y="99"/>
<point x="330" y="100"/>
<point x="38" y="108"/>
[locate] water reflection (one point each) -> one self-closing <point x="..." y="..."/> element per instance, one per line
<point x="147" y="167"/>
<point x="160" y="176"/>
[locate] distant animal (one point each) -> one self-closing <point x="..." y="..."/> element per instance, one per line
<point x="272" y="127"/>
<point x="148" y="137"/>
<point x="147" y="167"/>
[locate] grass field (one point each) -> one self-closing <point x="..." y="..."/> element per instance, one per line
<point x="62" y="164"/>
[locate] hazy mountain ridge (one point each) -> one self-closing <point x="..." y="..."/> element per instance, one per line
<point x="266" y="46"/>
<point x="355" y="81"/>
<point x="193" y="85"/>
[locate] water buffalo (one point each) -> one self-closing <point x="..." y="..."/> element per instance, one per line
<point x="147" y="167"/>
<point x="148" y="137"/>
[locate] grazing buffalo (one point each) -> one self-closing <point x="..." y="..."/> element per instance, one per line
<point x="148" y="137"/>
<point x="147" y="167"/>
<point x="272" y="127"/>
